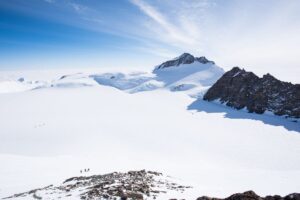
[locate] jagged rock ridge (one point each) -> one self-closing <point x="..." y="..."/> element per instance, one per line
<point x="250" y="195"/>
<point x="241" y="89"/>
<point x="185" y="58"/>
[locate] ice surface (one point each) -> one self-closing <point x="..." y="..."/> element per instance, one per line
<point x="50" y="133"/>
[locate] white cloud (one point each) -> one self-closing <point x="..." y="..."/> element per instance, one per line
<point x="262" y="36"/>
<point x="179" y="31"/>
<point x="78" y="7"/>
<point x="50" y="1"/>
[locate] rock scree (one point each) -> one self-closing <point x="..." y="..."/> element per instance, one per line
<point x="135" y="185"/>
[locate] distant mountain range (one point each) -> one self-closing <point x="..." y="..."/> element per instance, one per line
<point x="196" y="76"/>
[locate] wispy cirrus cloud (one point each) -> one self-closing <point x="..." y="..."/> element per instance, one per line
<point x="156" y="31"/>
<point x="176" y="32"/>
<point x="245" y="33"/>
<point x="179" y="25"/>
<point x="49" y="1"/>
<point x="79" y="8"/>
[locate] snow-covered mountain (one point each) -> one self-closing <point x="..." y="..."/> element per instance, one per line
<point x="10" y="86"/>
<point x="185" y="73"/>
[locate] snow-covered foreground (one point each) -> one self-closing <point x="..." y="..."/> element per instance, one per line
<point x="49" y="134"/>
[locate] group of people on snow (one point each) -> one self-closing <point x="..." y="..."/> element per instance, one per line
<point x="84" y="170"/>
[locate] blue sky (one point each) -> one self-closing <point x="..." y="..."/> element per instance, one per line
<point x="259" y="35"/>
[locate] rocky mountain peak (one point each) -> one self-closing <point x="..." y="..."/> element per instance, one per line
<point x="236" y="69"/>
<point x="241" y="89"/>
<point x="185" y="58"/>
<point x="269" y="77"/>
<point x="204" y="60"/>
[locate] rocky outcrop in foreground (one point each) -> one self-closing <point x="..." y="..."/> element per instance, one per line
<point x="132" y="185"/>
<point x="250" y="195"/>
<point x="136" y="185"/>
<point x="241" y="89"/>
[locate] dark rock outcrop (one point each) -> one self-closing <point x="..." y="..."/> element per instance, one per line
<point x="185" y="58"/>
<point x="133" y="185"/>
<point x="241" y="89"/>
<point x="250" y="195"/>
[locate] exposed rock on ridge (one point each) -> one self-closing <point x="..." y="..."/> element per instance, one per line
<point x="185" y="58"/>
<point x="250" y="195"/>
<point x="241" y="89"/>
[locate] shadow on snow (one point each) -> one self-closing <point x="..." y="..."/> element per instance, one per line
<point x="211" y="107"/>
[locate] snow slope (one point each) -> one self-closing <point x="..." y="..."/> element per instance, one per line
<point x="51" y="131"/>
<point x="48" y="135"/>
<point x="184" y="77"/>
